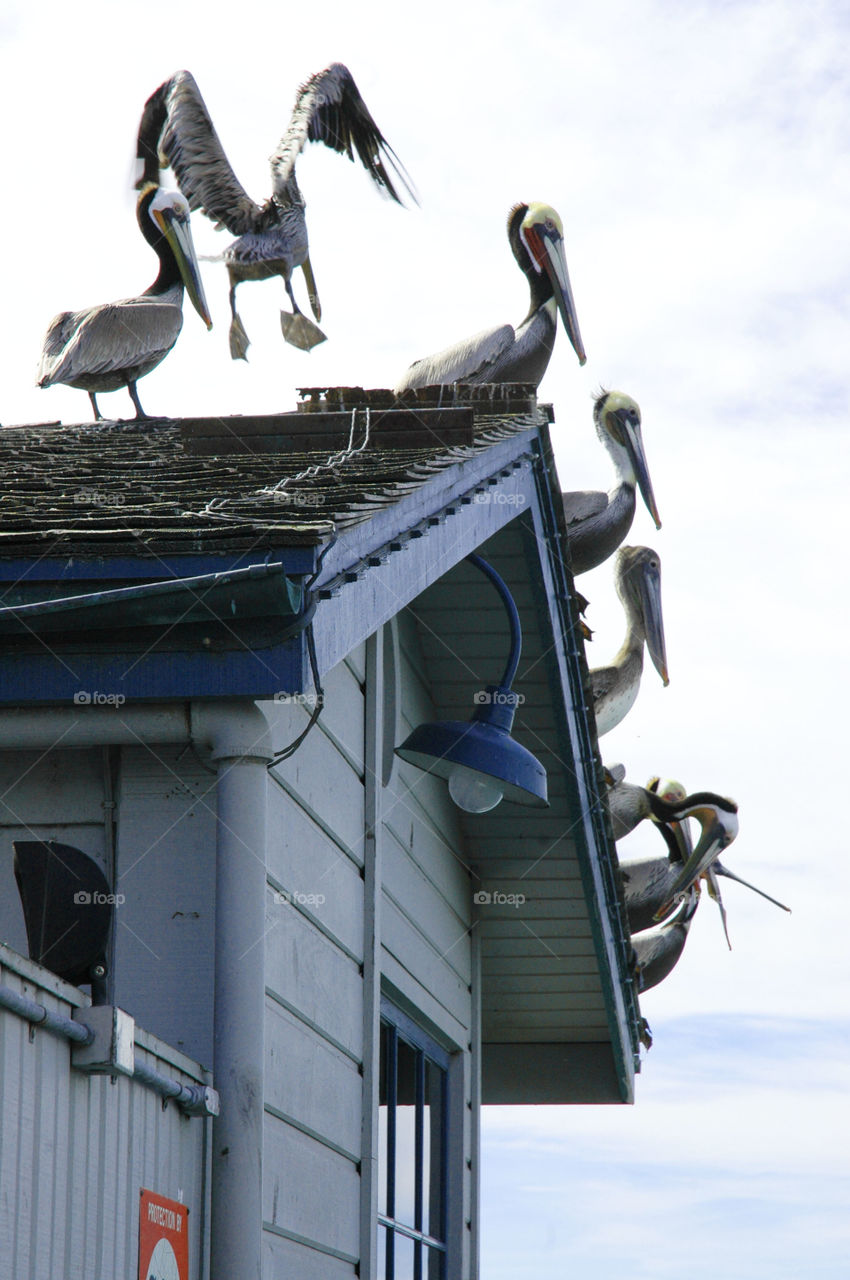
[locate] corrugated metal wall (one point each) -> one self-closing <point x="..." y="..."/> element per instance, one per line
<point x="76" y="1149"/>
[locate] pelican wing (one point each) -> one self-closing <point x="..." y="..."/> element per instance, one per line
<point x="176" y="130"/>
<point x="583" y="504"/>
<point x="466" y="361"/>
<point x="603" y="680"/>
<point x="329" y="109"/>
<point x="112" y="338"/>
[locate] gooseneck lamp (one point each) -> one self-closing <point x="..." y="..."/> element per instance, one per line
<point x="479" y="758"/>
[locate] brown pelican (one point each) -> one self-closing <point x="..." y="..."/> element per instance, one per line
<point x="117" y="343"/>
<point x="176" y="130"/>
<point x="637" y="575"/>
<point x="658" y="950"/>
<point x="536" y="236"/>
<point x="598" y="522"/>
<point x="718" y="820"/>
<point x="649" y="881"/>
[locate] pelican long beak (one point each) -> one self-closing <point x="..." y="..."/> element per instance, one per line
<point x="633" y="441"/>
<point x="312" y="291"/>
<point x="177" y="231"/>
<point x="718" y="831"/>
<point x="650" y="592"/>
<point x="547" y="249"/>
<point x="714" y="894"/>
<point x="720" y="870"/>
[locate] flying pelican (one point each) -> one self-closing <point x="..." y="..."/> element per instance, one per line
<point x="637" y="576"/>
<point x="658" y="950"/>
<point x="176" y="130"/>
<point x="536" y="236"/>
<point x="117" y="343"/>
<point x="598" y="522"/>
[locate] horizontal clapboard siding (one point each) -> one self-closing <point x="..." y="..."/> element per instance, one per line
<point x="426" y="910"/>
<point x="314" y="1003"/>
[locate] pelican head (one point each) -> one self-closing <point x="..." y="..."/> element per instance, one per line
<point x="540" y="234"/>
<point x="718" y="820"/>
<point x="617" y="419"/>
<point x="165" y="215"/>
<point x="638" y="579"/>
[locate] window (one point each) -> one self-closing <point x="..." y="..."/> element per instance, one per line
<point x="412" y="1152"/>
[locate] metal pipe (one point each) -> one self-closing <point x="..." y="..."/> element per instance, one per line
<point x="36" y="1013"/>
<point x="238" y="1059"/>
<point x="192" y="1099"/>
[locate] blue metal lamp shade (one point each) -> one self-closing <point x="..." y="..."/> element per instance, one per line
<point x="480" y="760"/>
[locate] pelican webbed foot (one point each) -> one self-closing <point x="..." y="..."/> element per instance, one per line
<point x="300" y="332"/>
<point x="239" y="340"/>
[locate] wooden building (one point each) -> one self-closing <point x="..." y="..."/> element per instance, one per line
<point x="213" y="636"/>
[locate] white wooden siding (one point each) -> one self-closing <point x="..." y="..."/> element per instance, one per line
<point x="314" y="954"/>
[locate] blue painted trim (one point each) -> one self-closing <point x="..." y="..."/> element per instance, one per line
<point x="296" y="561"/>
<point x="593" y="840"/>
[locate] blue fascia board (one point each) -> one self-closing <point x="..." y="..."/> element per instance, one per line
<point x="115" y="678"/>
<point x="574" y="724"/>
<point x="295" y="560"/>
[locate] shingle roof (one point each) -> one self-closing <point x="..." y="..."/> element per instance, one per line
<point x="142" y="488"/>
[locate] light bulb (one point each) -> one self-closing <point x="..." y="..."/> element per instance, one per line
<point x="473" y="791"/>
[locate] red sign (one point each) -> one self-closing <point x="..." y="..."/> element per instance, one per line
<point x="163" y="1238"/>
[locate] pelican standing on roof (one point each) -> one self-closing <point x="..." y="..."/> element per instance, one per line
<point x="115" y="344"/>
<point x="176" y="130"/>
<point x="637" y="576"/>
<point x="598" y="522"/>
<point x="536" y="236"/>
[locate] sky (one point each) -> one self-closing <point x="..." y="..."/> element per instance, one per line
<point x="698" y="155"/>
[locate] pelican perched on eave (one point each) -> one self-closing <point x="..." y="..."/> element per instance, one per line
<point x="637" y="575"/>
<point x="718" y="820"/>
<point x="659" y="949"/>
<point x="176" y="130"/>
<point x="114" y="344"/>
<point x="598" y="522"/>
<point x="503" y="354"/>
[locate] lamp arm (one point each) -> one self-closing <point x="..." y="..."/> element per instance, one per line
<point x="513" y="617"/>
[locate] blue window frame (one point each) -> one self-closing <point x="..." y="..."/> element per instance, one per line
<point x="412" y="1151"/>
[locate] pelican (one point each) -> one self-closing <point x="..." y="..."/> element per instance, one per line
<point x="718" y="819"/>
<point x="649" y="881"/>
<point x="536" y="236"/>
<point x="176" y="130"/>
<point x="117" y="343"/>
<point x="637" y="575"/>
<point x="598" y="522"/>
<point x="658" y="950"/>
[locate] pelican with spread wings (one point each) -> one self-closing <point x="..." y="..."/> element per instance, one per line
<point x="176" y="130"/>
